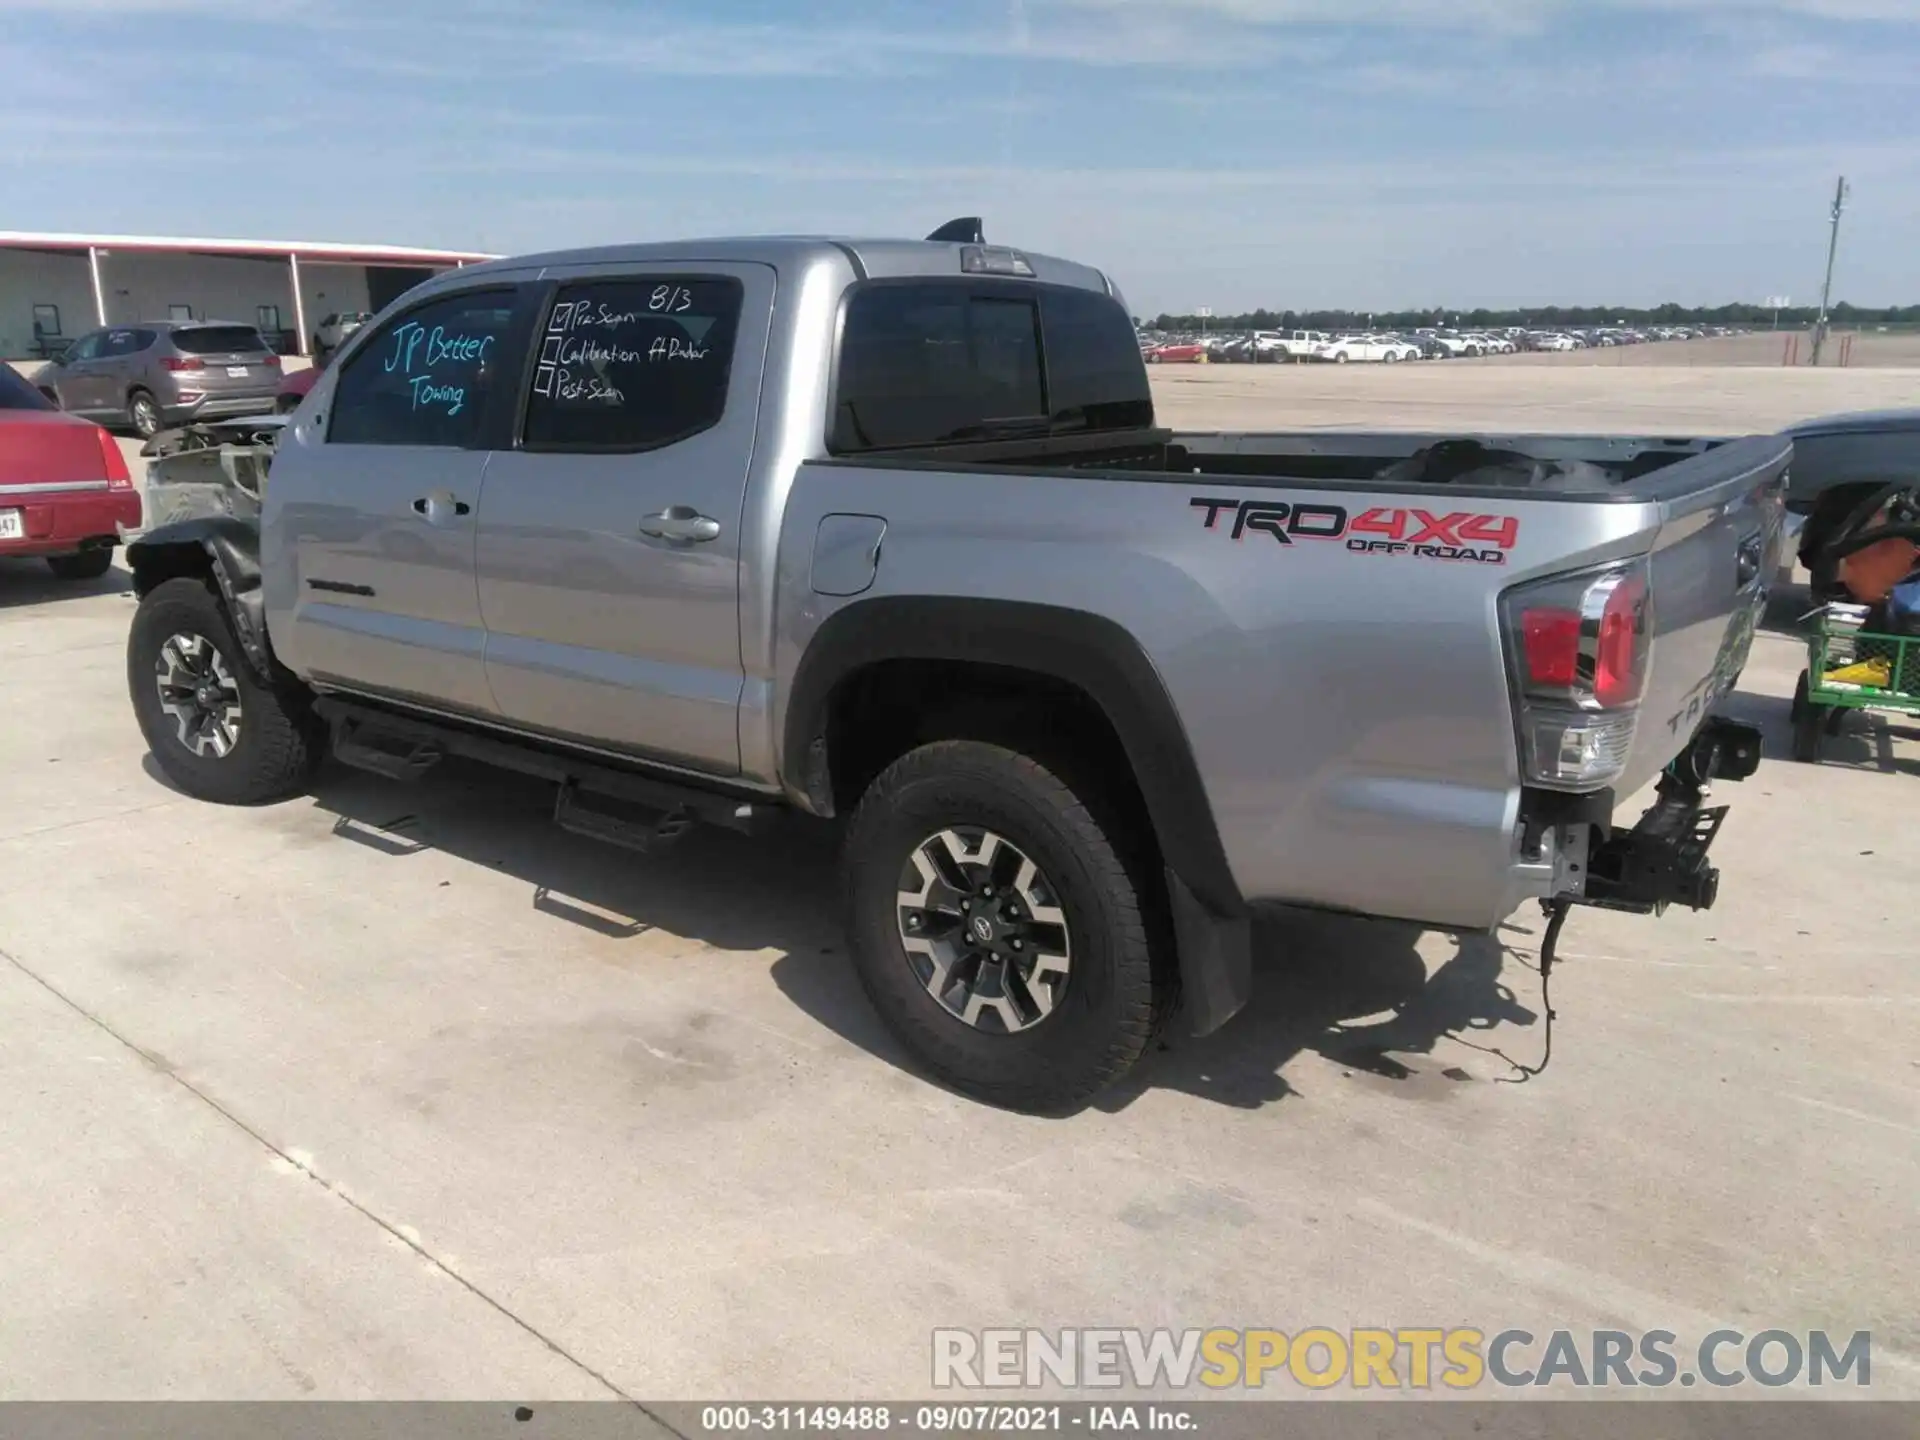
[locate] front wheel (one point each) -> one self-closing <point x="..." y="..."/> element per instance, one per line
<point x="995" y="928"/>
<point x="216" y="731"/>
<point x="1340" y="359"/>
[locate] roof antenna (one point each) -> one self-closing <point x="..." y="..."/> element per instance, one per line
<point x="964" y="231"/>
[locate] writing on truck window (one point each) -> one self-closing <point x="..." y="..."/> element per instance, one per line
<point x="423" y="380"/>
<point x="633" y="363"/>
<point x="431" y="359"/>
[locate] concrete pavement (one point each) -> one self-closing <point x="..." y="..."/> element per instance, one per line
<point x="400" y="1092"/>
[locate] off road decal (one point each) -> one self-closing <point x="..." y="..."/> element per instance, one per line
<point x="1459" y="535"/>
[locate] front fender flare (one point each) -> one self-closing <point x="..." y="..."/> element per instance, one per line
<point x="227" y="549"/>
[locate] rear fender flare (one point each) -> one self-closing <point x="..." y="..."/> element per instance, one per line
<point x="1106" y="663"/>
<point x="228" y="550"/>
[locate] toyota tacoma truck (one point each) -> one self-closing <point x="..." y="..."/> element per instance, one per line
<point x="887" y="531"/>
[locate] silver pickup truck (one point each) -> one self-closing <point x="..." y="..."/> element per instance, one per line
<point x="726" y="530"/>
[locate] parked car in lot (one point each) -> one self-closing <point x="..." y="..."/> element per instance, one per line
<point x="295" y="385"/>
<point x="333" y="330"/>
<point x="1185" y="352"/>
<point x="65" y="491"/>
<point x="160" y="373"/>
<point x="894" y="535"/>
<point x="1368" y="349"/>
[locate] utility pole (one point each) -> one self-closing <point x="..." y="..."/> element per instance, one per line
<point x="1840" y="193"/>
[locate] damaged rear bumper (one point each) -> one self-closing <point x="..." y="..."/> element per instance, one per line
<point x="1662" y="860"/>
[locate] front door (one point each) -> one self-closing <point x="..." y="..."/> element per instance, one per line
<point x="382" y="495"/>
<point x="609" y="546"/>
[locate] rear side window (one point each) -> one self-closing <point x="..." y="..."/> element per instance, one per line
<point x="940" y="361"/>
<point x="425" y="378"/>
<point x="17" y="394"/>
<point x="127" y="342"/>
<point x="218" y="340"/>
<point x="633" y="364"/>
<point x="1095" y="380"/>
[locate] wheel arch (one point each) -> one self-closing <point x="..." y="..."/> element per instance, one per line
<point x="219" y="548"/>
<point x="1052" y="648"/>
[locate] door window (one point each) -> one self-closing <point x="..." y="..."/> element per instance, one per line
<point x="121" y="342"/>
<point x="87" y="347"/>
<point x="633" y="364"/>
<point x="425" y="379"/>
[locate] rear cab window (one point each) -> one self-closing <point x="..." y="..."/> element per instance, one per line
<point x="930" y="362"/>
<point x="426" y="377"/>
<point x="634" y="363"/>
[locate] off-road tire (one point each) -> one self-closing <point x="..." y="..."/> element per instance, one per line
<point x="1105" y="1016"/>
<point x="87" y="565"/>
<point x="280" y="742"/>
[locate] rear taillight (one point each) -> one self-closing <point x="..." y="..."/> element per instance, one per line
<point x="113" y="463"/>
<point x="1578" y="648"/>
<point x="272" y="362"/>
<point x="183" y="362"/>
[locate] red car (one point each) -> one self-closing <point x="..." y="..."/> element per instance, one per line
<point x="64" y="487"/>
<point x="1176" y="354"/>
<point x="294" y="388"/>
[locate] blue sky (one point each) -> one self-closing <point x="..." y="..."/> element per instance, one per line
<point x="1232" y="153"/>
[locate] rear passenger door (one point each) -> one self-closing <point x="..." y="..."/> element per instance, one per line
<point x="609" y="541"/>
<point x="381" y="497"/>
<point x="119" y="364"/>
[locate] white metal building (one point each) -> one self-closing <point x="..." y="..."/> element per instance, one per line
<point x="55" y="287"/>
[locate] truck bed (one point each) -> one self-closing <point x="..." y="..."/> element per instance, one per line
<point x="1345" y="699"/>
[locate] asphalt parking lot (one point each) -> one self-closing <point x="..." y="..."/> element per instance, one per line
<point x="402" y="1093"/>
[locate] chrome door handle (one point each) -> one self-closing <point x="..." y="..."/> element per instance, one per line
<point x="680" y="522"/>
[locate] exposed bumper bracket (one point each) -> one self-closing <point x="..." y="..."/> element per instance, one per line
<point x="1662" y="861"/>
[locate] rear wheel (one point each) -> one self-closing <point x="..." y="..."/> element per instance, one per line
<point x="996" y="929"/>
<point x="1341" y="358"/>
<point x="211" y="725"/>
<point x="143" y="413"/>
<point x="87" y="565"/>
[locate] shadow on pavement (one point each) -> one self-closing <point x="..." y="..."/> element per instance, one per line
<point x="1354" y="991"/>
<point x="26" y="580"/>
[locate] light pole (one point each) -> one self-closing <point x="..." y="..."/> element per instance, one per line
<point x="1840" y="194"/>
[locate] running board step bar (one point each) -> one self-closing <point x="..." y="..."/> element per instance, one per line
<point x="355" y="744"/>
<point x="652" y="809"/>
<point x="643" y="829"/>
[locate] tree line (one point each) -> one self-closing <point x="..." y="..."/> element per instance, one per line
<point x="1544" y="317"/>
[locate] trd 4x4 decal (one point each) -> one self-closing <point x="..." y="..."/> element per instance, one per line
<point x="1427" y="535"/>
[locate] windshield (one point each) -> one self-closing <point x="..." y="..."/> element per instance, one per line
<point x="218" y="340"/>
